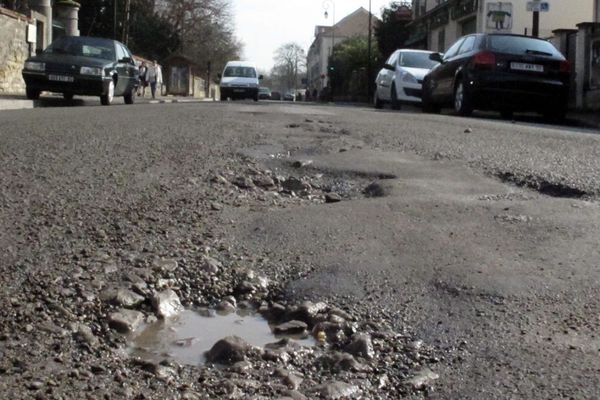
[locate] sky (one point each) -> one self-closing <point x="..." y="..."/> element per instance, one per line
<point x="264" y="25"/>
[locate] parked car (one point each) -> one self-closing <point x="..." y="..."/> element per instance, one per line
<point x="499" y="72"/>
<point x="79" y="65"/>
<point x="264" y="93"/>
<point x="289" y="96"/>
<point x="401" y="77"/>
<point x="275" y="96"/>
<point x="239" y="81"/>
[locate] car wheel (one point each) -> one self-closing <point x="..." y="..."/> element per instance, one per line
<point x="462" y="100"/>
<point x="106" y="99"/>
<point x="130" y="97"/>
<point x="32" y="94"/>
<point x="377" y="101"/>
<point x="256" y="98"/>
<point x="68" y="96"/>
<point x="394" y="98"/>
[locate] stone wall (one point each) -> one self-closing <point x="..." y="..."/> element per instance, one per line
<point x="14" y="49"/>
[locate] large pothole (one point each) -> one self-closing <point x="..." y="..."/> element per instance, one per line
<point x="187" y="337"/>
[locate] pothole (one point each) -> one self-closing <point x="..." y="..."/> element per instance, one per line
<point x="543" y="186"/>
<point x="187" y="337"/>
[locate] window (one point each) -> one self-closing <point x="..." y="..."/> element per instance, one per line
<point x="393" y="59"/>
<point x="120" y="52"/>
<point x="82" y="46"/>
<point x="453" y="50"/>
<point x="442" y="40"/>
<point x="416" y="59"/>
<point x="239" y="72"/>
<point x="467" y="45"/>
<point x="521" y="45"/>
<point x="468" y="26"/>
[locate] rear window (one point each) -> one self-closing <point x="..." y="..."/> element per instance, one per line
<point x="83" y="46"/>
<point x="416" y="60"/>
<point x="521" y="45"/>
<point x="240" y="72"/>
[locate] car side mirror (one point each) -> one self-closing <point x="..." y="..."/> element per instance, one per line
<point x="260" y="77"/>
<point x="436" y="57"/>
<point x="389" y="67"/>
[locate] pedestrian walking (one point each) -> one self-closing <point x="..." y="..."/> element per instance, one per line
<point x="155" y="78"/>
<point x="143" y="80"/>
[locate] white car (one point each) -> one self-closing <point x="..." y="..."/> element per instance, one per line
<point x="239" y="81"/>
<point x="400" y="80"/>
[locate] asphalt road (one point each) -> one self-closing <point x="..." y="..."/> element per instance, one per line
<point x="479" y="236"/>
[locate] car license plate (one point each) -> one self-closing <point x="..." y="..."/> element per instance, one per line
<point x="60" y="78"/>
<point x="238" y="90"/>
<point x="526" y="67"/>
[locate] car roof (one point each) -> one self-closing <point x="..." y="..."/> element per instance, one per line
<point x="240" y="64"/>
<point x="415" y="51"/>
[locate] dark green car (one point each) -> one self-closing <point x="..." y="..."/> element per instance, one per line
<point x="78" y="65"/>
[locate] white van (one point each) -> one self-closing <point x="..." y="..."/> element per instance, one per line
<point x="239" y="81"/>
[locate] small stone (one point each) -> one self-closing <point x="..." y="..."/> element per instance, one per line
<point x="216" y="206"/>
<point x="301" y="163"/>
<point x="264" y="182"/>
<point x="210" y="265"/>
<point x="166" y="304"/>
<point x="422" y="379"/>
<point x="332" y="198"/>
<point x="84" y="334"/>
<point x="219" y="179"/>
<point x="243" y="182"/>
<point x="166" y="265"/>
<point x="468" y="130"/>
<point x="35" y="385"/>
<point x="28" y="328"/>
<point x="295" y="185"/>
<point x="127" y="298"/>
<point x="361" y="346"/>
<point x="290" y="328"/>
<point x="125" y="321"/>
<point x="336" y="390"/>
<point x="228" y="350"/>
<point x="290" y="379"/>
<point x="225" y="307"/>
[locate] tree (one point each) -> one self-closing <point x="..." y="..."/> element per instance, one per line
<point x="391" y="33"/>
<point x="290" y="65"/>
<point x="348" y="67"/>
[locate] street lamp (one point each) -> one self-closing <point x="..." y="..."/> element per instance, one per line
<point x="326" y="5"/>
<point x="369" y="83"/>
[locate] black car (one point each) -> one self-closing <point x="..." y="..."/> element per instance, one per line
<point x="499" y="72"/>
<point x="78" y="65"/>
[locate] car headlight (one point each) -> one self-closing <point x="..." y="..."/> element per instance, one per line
<point x="91" y="71"/>
<point x="35" y="66"/>
<point x="408" y="78"/>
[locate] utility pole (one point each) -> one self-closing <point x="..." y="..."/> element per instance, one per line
<point x="126" y="22"/>
<point x="369" y="72"/>
<point x="115" y="19"/>
<point x="535" y="30"/>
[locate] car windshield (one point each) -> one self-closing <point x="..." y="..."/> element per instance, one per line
<point x="412" y="59"/>
<point x="521" y="45"/>
<point x="264" y="90"/>
<point x="240" y="72"/>
<point x="82" y="46"/>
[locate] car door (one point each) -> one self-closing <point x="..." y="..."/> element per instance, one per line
<point x="134" y="71"/>
<point x="123" y="71"/>
<point x="444" y="85"/>
<point x="387" y="76"/>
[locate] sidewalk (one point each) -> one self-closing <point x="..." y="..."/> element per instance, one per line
<point x="16" y="102"/>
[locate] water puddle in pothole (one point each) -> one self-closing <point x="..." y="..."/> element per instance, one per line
<point x="186" y="337"/>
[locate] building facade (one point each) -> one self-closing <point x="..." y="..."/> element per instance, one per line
<point x="326" y="37"/>
<point x="438" y="23"/>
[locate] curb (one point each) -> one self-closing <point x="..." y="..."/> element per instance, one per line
<point x="15" y="104"/>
